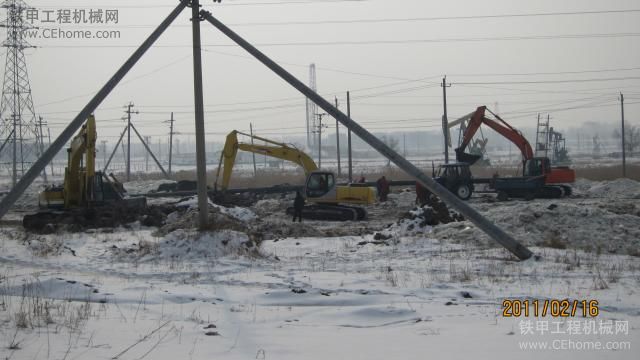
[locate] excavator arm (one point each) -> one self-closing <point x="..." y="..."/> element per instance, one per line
<point x="78" y="179"/>
<point x="272" y="149"/>
<point x="499" y="126"/>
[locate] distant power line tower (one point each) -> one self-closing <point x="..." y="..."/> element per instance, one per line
<point x="19" y="130"/>
<point x="312" y="108"/>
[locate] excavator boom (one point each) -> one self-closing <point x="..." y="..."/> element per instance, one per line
<point x="499" y="126"/>
<point x="273" y="149"/>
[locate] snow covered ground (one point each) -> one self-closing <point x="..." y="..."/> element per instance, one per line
<point x="321" y="290"/>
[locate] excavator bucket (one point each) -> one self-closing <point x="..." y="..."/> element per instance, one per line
<point x="470" y="159"/>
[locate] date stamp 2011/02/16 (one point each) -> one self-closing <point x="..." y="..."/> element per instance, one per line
<point x="554" y="308"/>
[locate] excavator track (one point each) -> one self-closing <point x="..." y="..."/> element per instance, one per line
<point x="328" y="212"/>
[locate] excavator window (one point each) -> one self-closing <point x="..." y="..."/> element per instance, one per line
<point x="319" y="184"/>
<point x="537" y="167"/>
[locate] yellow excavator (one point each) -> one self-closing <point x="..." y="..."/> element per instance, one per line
<point x="84" y="188"/>
<point x="330" y="201"/>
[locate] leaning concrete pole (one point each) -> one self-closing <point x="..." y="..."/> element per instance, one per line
<point x="68" y="132"/>
<point x="485" y="225"/>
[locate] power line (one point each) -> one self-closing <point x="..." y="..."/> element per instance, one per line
<point x="395" y="20"/>
<point x="549" y="81"/>
<point x="224" y="4"/>
<point x="382" y="42"/>
<point x="549" y="73"/>
<point x="438" y="18"/>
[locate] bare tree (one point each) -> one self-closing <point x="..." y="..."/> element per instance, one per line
<point x="632" y="137"/>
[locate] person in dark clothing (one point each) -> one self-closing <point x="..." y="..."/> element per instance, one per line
<point x="298" y="205"/>
<point x="382" y="186"/>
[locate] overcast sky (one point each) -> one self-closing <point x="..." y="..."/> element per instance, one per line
<point x="372" y="47"/>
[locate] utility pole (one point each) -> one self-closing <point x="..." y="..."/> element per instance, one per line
<point x="51" y="163"/>
<point x="255" y="168"/>
<point x="404" y="144"/>
<point x="319" y="131"/>
<point x="104" y="151"/>
<point x="41" y="143"/>
<point x="624" y="150"/>
<point x="349" y="139"/>
<point x="146" y="156"/>
<point x="170" y="142"/>
<point x="129" y="112"/>
<point x="445" y="120"/>
<point x="338" y="140"/>
<point x="201" y="161"/>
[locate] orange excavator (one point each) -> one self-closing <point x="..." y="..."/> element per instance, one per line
<point x="554" y="180"/>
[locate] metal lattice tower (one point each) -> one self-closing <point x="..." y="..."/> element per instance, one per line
<point x="312" y="108"/>
<point x="19" y="130"/>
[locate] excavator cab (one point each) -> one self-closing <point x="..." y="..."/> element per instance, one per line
<point x="319" y="184"/>
<point x="537" y="167"/>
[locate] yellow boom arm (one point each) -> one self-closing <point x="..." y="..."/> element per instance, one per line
<point x="78" y="179"/>
<point x="273" y="149"/>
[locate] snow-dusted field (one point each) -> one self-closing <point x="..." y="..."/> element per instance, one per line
<point x="330" y="290"/>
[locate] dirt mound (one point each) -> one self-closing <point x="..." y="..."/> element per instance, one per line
<point x="421" y="219"/>
<point x="614" y="189"/>
<point x="188" y="218"/>
<point x="284" y="229"/>
<point x="592" y="225"/>
<point x="79" y="220"/>
<point x="270" y="206"/>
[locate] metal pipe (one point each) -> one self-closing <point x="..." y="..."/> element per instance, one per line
<point x="481" y="222"/>
<point x="68" y="132"/>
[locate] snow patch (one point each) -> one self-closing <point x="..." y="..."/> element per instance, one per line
<point x="238" y="213"/>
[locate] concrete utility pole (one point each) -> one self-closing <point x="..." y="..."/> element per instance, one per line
<point x="129" y="112"/>
<point x="445" y="120"/>
<point x="349" y="139"/>
<point x="201" y="161"/>
<point x="338" y="140"/>
<point x="41" y="143"/>
<point x="146" y="156"/>
<point x="49" y="135"/>
<point x="171" y="142"/>
<point x="104" y="151"/>
<point x="255" y="168"/>
<point x="404" y="144"/>
<point x="319" y="131"/>
<point x="624" y="147"/>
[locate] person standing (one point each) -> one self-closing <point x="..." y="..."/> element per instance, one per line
<point x="382" y="186"/>
<point x="298" y="205"/>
